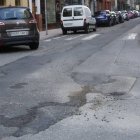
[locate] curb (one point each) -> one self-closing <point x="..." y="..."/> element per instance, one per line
<point x="51" y="33"/>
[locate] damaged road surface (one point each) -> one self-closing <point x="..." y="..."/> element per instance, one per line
<point x="73" y="88"/>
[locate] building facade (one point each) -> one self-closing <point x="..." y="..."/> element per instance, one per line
<point x="14" y="2"/>
<point x="47" y="12"/>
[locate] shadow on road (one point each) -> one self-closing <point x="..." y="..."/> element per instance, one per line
<point x="14" y="49"/>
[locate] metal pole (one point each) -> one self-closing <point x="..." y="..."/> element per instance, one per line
<point x="94" y="7"/>
<point x="46" y="20"/>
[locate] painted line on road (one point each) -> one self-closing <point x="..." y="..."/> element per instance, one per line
<point x="131" y="36"/>
<point x="60" y="37"/>
<point x="48" y="40"/>
<point x="71" y="38"/>
<point x="91" y="37"/>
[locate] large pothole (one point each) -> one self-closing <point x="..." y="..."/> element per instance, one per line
<point x="41" y="117"/>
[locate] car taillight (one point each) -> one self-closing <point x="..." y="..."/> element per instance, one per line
<point x="33" y="21"/>
<point x="2" y="23"/>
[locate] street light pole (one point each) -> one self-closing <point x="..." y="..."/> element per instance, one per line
<point x="46" y="19"/>
<point x="94" y="7"/>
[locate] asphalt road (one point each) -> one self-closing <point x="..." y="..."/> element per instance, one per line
<point x="75" y="87"/>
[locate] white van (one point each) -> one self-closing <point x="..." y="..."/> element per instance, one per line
<point x="77" y="17"/>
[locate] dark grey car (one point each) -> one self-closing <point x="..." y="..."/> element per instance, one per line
<point x="18" y="27"/>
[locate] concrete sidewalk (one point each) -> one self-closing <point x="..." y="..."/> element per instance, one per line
<point x="50" y="33"/>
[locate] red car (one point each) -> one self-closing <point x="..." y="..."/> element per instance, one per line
<point x="130" y="14"/>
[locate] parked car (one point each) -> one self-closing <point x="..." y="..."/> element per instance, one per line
<point x="125" y="15"/>
<point x="131" y="14"/>
<point x="18" y="27"/>
<point x="119" y="16"/>
<point x="77" y="17"/>
<point x="115" y="17"/>
<point x="136" y="13"/>
<point x="104" y="18"/>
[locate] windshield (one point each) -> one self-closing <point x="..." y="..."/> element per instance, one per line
<point x="14" y="13"/>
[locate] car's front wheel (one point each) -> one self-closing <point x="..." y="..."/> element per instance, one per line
<point x="34" y="46"/>
<point x="94" y="29"/>
<point x="109" y="23"/>
<point x="64" y="31"/>
<point x="87" y="30"/>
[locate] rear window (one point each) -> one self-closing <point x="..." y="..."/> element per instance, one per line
<point x="100" y="13"/>
<point x="67" y="12"/>
<point x="14" y="13"/>
<point x="78" y="11"/>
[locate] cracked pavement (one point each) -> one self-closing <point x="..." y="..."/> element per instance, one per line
<point x="75" y="90"/>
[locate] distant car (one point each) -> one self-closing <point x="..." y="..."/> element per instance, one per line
<point x="125" y="15"/>
<point x="115" y="17"/>
<point x="104" y="18"/>
<point x="136" y="13"/>
<point x="131" y="14"/>
<point x="18" y="27"/>
<point x="77" y="17"/>
<point x="119" y="16"/>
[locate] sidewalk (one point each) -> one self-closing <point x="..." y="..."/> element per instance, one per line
<point x="51" y="33"/>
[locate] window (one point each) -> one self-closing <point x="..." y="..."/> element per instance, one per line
<point x="17" y="2"/>
<point x="67" y="12"/>
<point x="78" y="11"/>
<point x="2" y="2"/>
<point x="14" y="13"/>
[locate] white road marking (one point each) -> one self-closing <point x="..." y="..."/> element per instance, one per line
<point x="71" y="38"/>
<point x="60" y="37"/>
<point x="48" y="40"/>
<point x="90" y="37"/>
<point x="131" y="36"/>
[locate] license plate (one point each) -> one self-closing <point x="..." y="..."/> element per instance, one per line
<point x="68" y="24"/>
<point x="19" y="33"/>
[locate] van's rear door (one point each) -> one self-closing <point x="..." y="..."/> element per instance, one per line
<point x="67" y="17"/>
<point x="78" y="16"/>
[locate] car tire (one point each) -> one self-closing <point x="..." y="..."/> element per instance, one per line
<point x="87" y="29"/>
<point x="109" y="23"/>
<point x="34" y="46"/>
<point x="64" y="32"/>
<point x="94" y="29"/>
<point x="75" y="31"/>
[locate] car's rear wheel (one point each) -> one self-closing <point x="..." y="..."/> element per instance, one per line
<point x="64" y="31"/>
<point x="94" y="29"/>
<point x="34" y="46"/>
<point x="109" y="23"/>
<point x="87" y="30"/>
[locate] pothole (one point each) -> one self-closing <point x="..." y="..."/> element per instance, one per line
<point x="79" y="98"/>
<point x="18" y="85"/>
<point x="41" y="117"/>
<point x="117" y="93"/>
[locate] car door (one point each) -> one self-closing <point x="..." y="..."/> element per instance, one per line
<point x="67" y="17"/>
<point x="78" y="16"/>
